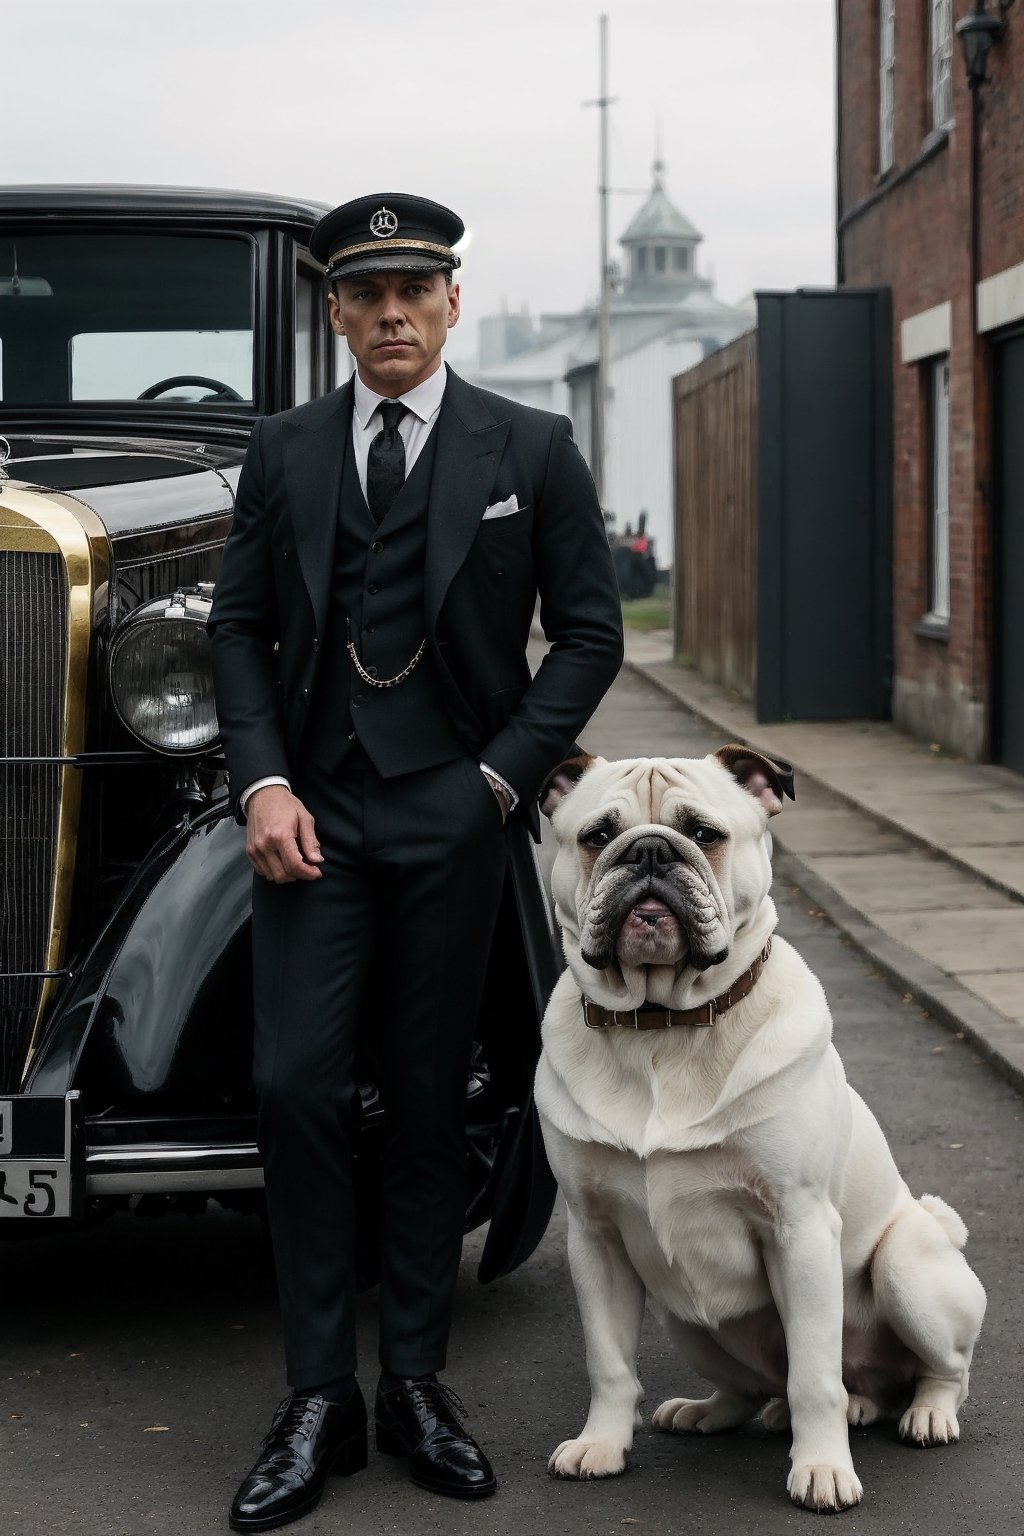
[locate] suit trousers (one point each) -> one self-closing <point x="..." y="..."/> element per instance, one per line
<point x="412" y="875"/>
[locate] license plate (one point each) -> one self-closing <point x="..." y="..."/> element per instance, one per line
<point x="41" y="1157"/>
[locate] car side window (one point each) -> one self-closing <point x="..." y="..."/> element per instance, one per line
<point x="308" y="300"/>
<point x="182" y="366"/>
<point x="344" y="362"/>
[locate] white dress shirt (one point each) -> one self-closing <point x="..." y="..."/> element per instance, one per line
<point x="423" y="406"/>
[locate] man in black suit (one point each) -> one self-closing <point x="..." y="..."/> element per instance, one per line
<point x="380" y="723"/>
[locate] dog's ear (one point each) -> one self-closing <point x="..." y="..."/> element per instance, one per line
<point x="766" y="778"/>
<point x="563" y="779"/>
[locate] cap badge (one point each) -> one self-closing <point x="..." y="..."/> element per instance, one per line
<point x="383" y="224"/>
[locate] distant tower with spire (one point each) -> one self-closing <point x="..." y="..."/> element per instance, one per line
<point x="660" y="245"/>
<point x="663" y="318"/>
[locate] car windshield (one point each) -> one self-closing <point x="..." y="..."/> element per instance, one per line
<point x="125" y="316"/>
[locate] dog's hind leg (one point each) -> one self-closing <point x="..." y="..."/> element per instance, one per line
<point x="706" y="1415"/>
<point x="859" y="1410"/>
<point x="740" y="1392"/>
<point x="610" y="1295"/>
<point x="933" y="1301"/>
<point x="775" y="1415"/>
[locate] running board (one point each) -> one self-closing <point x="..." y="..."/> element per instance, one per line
<point x="170" y="1168"/>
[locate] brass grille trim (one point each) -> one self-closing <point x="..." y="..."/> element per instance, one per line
<point x="57" y="524"/>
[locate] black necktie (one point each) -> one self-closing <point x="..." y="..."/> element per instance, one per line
<point x="385" y="463"/>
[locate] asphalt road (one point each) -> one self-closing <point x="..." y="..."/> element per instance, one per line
<point x="140" y="1361"/>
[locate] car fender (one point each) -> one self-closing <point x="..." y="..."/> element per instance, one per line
<point x="163" y="999"/>
<point x="522" y="1189"/>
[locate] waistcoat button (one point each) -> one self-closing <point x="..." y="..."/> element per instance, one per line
<point x="377" y="547"/>
<point x="373" y="589"/>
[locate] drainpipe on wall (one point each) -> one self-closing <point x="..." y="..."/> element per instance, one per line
<point x="840" y="261"/>
<point x="982" y="440"/>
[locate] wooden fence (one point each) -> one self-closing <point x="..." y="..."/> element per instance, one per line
<point x="715" y="414"/>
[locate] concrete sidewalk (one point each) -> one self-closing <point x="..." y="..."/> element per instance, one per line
<point x="917" y="856"/>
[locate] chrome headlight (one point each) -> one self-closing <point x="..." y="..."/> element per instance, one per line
<point x="161" y="677"/>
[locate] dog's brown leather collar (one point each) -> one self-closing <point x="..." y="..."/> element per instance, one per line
<point x="647" y="1017"/>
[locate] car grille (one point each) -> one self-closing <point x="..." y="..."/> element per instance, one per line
<point x="34" y="601"/>
<point x="141" y="582"/>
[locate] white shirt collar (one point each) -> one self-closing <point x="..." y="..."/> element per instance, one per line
<point x="424" y="401"/>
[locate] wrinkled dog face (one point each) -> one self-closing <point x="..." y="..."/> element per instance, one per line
<point x="660" y="861"/>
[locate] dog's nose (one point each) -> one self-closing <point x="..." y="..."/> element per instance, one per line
<point x="652" y="852"/>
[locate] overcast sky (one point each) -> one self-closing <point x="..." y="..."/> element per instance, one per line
<point x="476" y="103"/>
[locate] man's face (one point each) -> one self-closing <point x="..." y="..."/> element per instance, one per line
<point x="395" y="324"/>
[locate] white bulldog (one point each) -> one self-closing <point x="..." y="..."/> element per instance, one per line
<point x="710" y="1150"/>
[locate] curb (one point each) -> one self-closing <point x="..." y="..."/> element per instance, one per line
<point x="998" y="1039"/>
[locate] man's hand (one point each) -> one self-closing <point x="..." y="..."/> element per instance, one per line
<point x="280" y="838"/>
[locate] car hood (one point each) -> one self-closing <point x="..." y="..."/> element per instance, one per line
<point x="132" y="486"/>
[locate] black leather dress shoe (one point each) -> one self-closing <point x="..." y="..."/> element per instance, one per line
<point x="423" y="1420"/>
<point x="308" y="1439"/>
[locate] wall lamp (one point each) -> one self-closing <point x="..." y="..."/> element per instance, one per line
<point x="978" y="32"/>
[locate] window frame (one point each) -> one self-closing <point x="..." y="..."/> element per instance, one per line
<point x="937" y="438"/>
<point x="940" y="63"/>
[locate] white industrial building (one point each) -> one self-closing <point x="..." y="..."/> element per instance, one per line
<point x="664" y="318"/>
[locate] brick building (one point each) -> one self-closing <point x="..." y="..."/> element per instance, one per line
<point x="930" y="204"/>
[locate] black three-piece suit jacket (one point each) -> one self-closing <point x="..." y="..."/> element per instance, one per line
<point x="480" y="583"/>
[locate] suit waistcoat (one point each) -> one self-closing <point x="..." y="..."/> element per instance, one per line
<point x="377" y="587"/>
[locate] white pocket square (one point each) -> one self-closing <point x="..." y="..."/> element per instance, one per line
<point x="502" y="508"/>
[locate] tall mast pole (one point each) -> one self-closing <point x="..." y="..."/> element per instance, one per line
<point x="604" y="304"/>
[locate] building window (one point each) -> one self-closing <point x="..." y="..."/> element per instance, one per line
<point x="681" y="259"/>
<point x="937" y="374"/>
<point x="941" y="41"/>
<point x="659" y="258"/>
<point x="641" y="258"/>
<point x="886" y="77"/>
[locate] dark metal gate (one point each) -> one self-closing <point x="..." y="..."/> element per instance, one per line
<point x="824" y="563"/>
<point x="1008" y="550"/>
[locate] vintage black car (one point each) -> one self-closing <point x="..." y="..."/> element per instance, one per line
<point x="141" y="333"/>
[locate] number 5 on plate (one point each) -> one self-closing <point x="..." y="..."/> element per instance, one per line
<point x="41" y="1200"/>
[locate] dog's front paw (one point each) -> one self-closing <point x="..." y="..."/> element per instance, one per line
<point x="588" y="1458"/>
<point x="824" y="1489"/>
<point x="703" y="1416"/>
<point x="923" y="1425"/>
